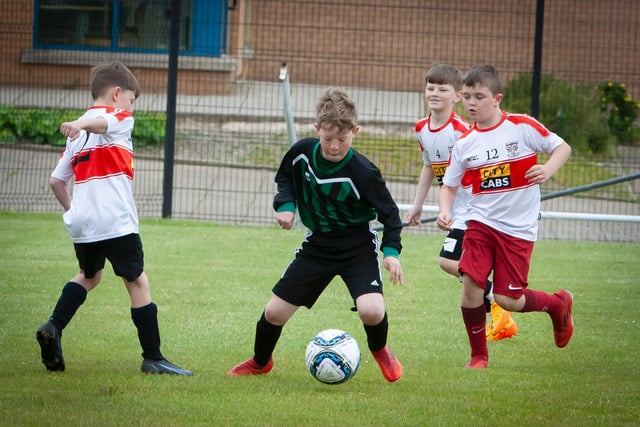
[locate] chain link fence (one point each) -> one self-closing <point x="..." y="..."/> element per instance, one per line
<point x="230" y="127"/>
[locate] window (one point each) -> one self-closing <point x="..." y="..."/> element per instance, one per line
<point x="130" y="25"/>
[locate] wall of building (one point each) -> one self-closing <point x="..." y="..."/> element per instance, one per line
<point x="386" y="45"/>
<point x="389" y="44"/>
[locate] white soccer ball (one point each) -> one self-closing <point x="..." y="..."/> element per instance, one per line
<point x="333" y="356"/>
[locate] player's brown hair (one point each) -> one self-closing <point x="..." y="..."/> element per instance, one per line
<point x="444" y="74"/>
<point x="485" y="75"/>
<point x="112" y="74"/>
<point x="336" y="108"/>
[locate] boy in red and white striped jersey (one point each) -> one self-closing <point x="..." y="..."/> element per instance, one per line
<point x="498" y="159"/>
<point x="101" y="217"/>
<point x="437" y="134"/>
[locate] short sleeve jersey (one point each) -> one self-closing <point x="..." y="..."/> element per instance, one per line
<point x="494" y="161"/>
<point x="102" y="206"/>
<point x="436" y="145"/>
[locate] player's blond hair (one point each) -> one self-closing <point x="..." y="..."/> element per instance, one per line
<point x="112" y="74"/>
<point x="336" y="108"/>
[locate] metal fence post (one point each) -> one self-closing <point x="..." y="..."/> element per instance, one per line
<point x="288" y="114"/>
<point x="537" y="60"/>
<point x="170" y="127"/>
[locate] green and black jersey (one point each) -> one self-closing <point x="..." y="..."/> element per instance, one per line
<point x="334" y="197"/>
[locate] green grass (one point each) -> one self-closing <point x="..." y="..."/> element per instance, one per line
<point x="211" y="282"/>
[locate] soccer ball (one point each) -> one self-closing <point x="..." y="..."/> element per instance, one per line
<point x="333" y="356"/>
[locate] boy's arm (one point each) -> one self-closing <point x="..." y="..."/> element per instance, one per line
<point x="391" y="246"/>
<point x="284" y="201"/>
<point x="447" y="195"/>
<point x="538" y="174"/>
<point x="59" y="189"/>
<point x="72" y="129"/>
<point x="424" y="185"/>
<point x="388" y="214"/>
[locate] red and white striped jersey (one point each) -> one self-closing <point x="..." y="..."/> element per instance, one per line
<point x="436" y="145"/>
<point x="493" y="162"/>
<point x="102" y="206"/>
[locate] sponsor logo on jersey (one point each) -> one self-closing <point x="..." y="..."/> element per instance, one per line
<point x="498" y="176"/>
<point x="438" y="171"/>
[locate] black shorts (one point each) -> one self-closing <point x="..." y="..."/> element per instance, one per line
<point x="452" y="245"/>
<point x="124" y="253"/>
<point x="352" y="255"/>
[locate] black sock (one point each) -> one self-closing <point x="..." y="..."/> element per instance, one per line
<point x="72" y="297"/>
<point x="377" y="334"/>
<point x="146" y="321"/>
<point x="487" y="291"/>
<point x="267" y="335"/>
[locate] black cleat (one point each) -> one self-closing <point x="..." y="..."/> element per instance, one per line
<point x="163" y="366"/>
<point x="48" y="337"/>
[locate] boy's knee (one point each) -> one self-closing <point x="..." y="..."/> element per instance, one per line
<point x="449" y="266"/>
<point x="509" y="303"/>
<point x="88" y="282"/>
<point x="371" y="315"/>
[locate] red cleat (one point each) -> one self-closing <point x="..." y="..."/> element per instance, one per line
<point x="250" y="367"/>
<point x="478" y="362"/>
<point x="563" y="325"/>
<point x="389" y="364"/>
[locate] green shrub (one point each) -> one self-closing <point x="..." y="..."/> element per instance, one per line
<point x="571" y="111"/>
<point x="149" y="129"/>
<point x="623" y="111"/>
<point x="42" y="126"/>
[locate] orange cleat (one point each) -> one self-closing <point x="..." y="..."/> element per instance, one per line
<point x="509" y="330"/>
<point x="499" y="320"/>
<point x="389" y="364"/>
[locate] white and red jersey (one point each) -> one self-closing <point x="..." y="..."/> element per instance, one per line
<point x="102" y="206"/>
<point x="493" y="162"/>
<point x="436" y="145"/>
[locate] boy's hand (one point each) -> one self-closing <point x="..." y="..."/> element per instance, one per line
<point x="414" y="214"/>
<point x="392" y="264"/>
<point x="445" y="221"/>
<point x="285" y="219"/>
<point x="537" y="174"/>
<point x="70" y="130"/>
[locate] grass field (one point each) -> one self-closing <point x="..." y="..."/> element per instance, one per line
<point x="211" y="282"/>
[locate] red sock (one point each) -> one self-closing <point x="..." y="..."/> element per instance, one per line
<point x="541" y="301"/>
<point x="474" y="320"/>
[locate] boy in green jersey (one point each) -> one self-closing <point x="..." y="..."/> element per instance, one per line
<point x="337" y="192"/>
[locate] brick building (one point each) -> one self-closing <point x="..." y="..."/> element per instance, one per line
<point x="378" y="44"/>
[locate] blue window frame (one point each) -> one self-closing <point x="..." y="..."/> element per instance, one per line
<point x="130" y="25"/>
